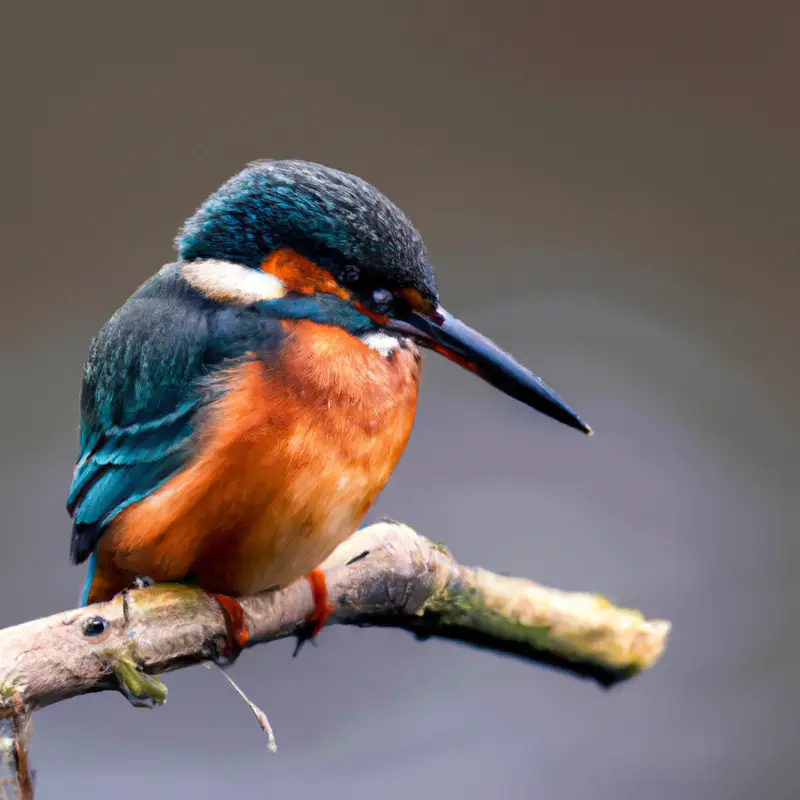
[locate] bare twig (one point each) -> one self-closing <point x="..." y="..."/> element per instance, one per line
<point x="260" y="716"/>
<point x="21" y="721"/>
<point x="15" y="736"/>
<point x="385" y="575"/>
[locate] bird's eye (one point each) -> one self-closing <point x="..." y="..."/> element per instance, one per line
<point x="382" y="298"/>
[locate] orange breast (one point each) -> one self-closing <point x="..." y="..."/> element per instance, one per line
<point x="291" y="457"/>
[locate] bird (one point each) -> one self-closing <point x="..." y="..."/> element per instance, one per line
<point x="243" y="409"/>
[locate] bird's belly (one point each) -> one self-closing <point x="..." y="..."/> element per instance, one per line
<point x="284" y="531"/>
<point x="290" y="461"/>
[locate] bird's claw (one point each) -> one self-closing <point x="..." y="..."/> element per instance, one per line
<point x="236" y="629"/>
<point x="221" y="654"/>
<point x="322" y="610"/>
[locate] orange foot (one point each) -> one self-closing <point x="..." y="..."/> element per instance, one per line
<point x="235" y="625"/>
<point x="322" y="608"/>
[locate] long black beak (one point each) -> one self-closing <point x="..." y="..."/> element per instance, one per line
<point x="454" y="340"/>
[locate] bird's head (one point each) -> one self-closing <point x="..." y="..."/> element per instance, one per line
<point x="317" y="243"/>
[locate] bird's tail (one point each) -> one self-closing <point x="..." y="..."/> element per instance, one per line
<point x="87" y="584"/>
<point x="104" y="580"/>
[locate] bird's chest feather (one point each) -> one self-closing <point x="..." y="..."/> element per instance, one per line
<point x="313" y="438"/>
<point x="344" y="412"/>
<point x="290" y="458"/>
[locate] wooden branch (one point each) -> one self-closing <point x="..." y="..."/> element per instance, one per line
<point x="384" y="575"/>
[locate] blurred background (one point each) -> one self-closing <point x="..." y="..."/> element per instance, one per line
<point x="607" y="190"/>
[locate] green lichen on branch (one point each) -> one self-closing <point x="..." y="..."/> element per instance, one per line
<point x="584" y="631"/>
<point x="140" y="688"/>
<point x="7" y="694"/>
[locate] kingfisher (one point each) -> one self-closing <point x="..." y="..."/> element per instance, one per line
<point x="243" y="409"/>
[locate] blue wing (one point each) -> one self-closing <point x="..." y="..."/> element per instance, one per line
<point x="143" y="386"/>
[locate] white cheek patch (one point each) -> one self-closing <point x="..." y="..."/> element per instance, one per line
<point x="382" y="342"/>
<point x="227" y="282"/>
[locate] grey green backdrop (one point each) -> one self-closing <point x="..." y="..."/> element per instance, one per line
<point x="609" y="191"/>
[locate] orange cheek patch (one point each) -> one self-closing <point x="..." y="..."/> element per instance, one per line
<point x="417" y="301"/>
<point x="378" y="319"/>
<point x="300" y="275"/>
